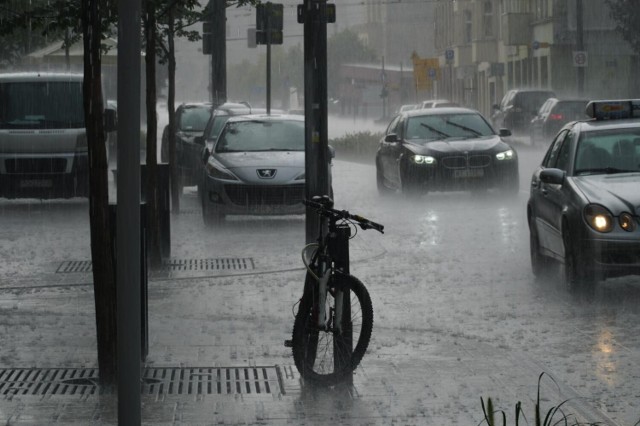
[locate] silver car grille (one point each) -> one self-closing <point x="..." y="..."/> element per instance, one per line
<point x="263" y="195"/>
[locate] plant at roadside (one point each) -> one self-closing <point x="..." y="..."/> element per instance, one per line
<point x="547" y="418"/>
<point x="361" y="145"/>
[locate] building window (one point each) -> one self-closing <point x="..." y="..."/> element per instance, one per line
<point x="467" y="26"/>
<point x="488" y="19"/>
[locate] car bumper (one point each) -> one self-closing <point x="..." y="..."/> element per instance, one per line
<point x="441" y="178"/>
<point x="612" y="257"/>
<point x="56" y="176"/>
<point x="237" y="198"/>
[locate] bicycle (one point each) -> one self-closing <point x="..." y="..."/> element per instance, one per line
<point x="333" y="325"/>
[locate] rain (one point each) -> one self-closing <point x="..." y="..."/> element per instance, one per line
<point x="443" y="120"/>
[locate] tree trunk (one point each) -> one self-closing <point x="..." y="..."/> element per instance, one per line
<point x="104" y="286"/>
<point x="153" y="222"/>
<point x="171" y="100"/>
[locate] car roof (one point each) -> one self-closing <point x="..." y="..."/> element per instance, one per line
<point x="438" y="111"/>
<point x="592" y="124"/>
<point x="266" y="117"/>
<point x="195" y="104"/>
<point x="38" y="76"/>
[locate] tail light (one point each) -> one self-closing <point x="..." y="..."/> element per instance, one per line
<point x="556" y="116"/>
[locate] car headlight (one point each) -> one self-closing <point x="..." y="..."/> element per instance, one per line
<point x="598" y="217"/>
<point x="423" y="159"/>
<point x="627" y="222"/>
<point x="506" y="155"/>
<point x="215" y="170"/>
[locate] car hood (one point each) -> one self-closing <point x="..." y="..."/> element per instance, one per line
<point x="618" y="192"/>
<point x="461" y="145"/>
<point x="288" y="165"/>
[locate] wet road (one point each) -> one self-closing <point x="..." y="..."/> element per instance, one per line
<point x="450" y="274"/>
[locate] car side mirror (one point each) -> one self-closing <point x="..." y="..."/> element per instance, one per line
<point x="504" y="133"/>
<point x="392" y="138"/>
<point x="332" y="152"/>
<point x="205" y="155"/>
<point x="199" y="140"/>
<point x="553" y="176"/>
<point x="110" y="120"/>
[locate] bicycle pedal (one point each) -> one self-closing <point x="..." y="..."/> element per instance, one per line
<point x="288" y="343"/>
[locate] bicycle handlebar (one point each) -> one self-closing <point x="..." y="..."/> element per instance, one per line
<point x="343" y="214"/>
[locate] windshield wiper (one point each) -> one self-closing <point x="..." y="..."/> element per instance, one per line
<point x="468" y="129"/>
<point x="607" y="170"/>
<point x="433" y="129"/>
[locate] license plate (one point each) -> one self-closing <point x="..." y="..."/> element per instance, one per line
<point x="468" y="173"/>
<point x="36" y="183"/>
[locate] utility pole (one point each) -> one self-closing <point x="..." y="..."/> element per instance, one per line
<point x="217" y="10"/>
<point x="315" y="14"/>
<point x="128" y="263"/>
<point x="580" y="44"/>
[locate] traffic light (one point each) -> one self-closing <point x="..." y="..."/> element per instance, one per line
<point x="207" y="48"/>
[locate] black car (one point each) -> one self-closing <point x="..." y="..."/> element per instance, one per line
<point x="584" y="207"/>
<point x="440" y="149"/>
<point x="554" y="114"/>
<point x="191" y="119"/>
<point x="518" y="107"/>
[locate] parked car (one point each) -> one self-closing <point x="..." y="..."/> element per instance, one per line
<point x="554" y="114"/>
<point x="442" y="149"/>
<point x="191" y="119"/>
<point x="584" y="207"/>
<point x="517" y="109"/>
<point x="256" y="166"/>
<point x="438" y="103"/>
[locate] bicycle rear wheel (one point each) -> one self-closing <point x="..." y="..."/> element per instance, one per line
<point x="327" y="356"/>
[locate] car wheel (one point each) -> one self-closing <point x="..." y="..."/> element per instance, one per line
<point x="539" y="262"/>
<point x="576" y="278"/>
<point x="382" y="188"/>
<point x="211" y="216"/>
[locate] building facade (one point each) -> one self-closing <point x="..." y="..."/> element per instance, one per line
<point x="487" y="47"/>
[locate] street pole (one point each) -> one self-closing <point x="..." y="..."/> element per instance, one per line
<point x="219" y="52"/>
<point x="268" y="5"/>
<point x="580" y="44"/>
<point x="314" y="15"/>
<point x="128" y="214"/>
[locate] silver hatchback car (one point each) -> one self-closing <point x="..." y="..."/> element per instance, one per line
<point x="256" y="167"/>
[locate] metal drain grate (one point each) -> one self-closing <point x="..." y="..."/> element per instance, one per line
<point x="155" y="381"/>
<point x="224" y="264"/>
<point x="221" y="264"/>
<point x="75" y="266"/>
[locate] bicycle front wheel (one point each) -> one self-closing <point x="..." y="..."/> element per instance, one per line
<point x="327" y="355"/>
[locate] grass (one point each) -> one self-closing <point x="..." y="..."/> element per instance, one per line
<point x="554" y="416"/>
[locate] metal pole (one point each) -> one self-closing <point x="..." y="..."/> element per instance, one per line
<point x="128" y="213"/>
<point x="268" y="29"/>
<point x="580" y="44"/>
<point x="315" y="107"/>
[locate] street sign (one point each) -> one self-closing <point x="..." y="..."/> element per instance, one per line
<point x="449" y="54"/>
<point x="269" y="16"/>
<point x="580" y="58"/>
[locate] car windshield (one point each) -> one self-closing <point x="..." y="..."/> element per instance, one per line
<point x="608" y="151"/>
<point x="444" y="126"/>
<point x="571" y="108"/>
<point x="194" y="118"/>
<point x="262" y="135"/>
<point x="41" y="105"/>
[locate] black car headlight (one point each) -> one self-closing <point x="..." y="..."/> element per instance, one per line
<point x="505" y="155"/>
<point x="598" y="218"/>
<point x="423" y="159"/>
<point x="627" y="222"/>
<point x="215" y="170"/>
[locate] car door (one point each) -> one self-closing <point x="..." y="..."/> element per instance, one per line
<point x="542" y="202"/>
<point x="388" y="152"/>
